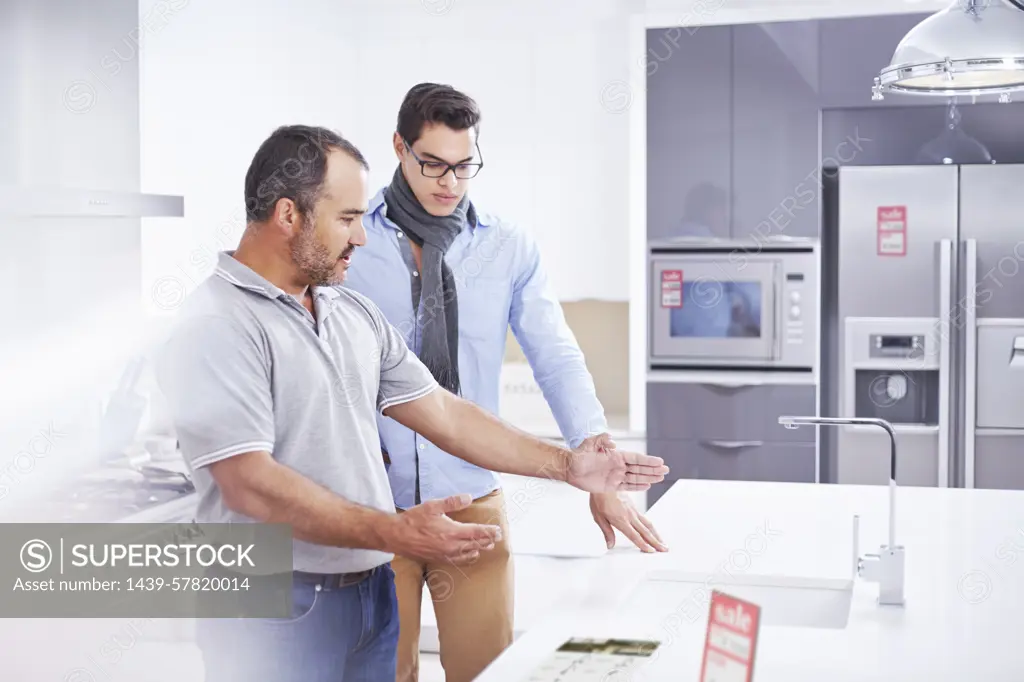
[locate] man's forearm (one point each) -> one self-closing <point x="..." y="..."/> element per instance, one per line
<point x="477" y="436"/>
<point x="569" y="391"/>
<point x="272" y="493"/>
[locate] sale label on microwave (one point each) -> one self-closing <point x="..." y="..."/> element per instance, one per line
<point x="671" y="288"/>
<point x="731" y="640"/>
<point x="892" y="230"/>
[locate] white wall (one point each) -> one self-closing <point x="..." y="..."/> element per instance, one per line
<point x="69" y="85"/>
<point x="221" y="75"/>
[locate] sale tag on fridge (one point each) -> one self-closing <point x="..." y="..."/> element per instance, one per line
<point x="731" y="640"/>
<point x="892" y="230"/>
<point x="671" y="288"/>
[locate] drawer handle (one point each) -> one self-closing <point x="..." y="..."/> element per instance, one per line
<point x="734" y="444"/>
<point x="1018" y="351"/>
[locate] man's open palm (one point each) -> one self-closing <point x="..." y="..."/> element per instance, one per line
<point x="614" y="471"/>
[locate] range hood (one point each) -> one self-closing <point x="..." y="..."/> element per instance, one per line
<point x="18" y="201"/>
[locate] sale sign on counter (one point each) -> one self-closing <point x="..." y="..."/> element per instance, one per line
<point x="731" y="640"/>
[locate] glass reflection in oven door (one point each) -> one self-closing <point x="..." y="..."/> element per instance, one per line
<point x="718" y="310"/>
<point x="713" y="311"/>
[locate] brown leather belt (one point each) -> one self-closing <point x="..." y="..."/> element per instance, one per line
<point x="331" y="581"/>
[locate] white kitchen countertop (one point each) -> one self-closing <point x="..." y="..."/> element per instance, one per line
<point x="964" y="583"/>
<point x="94" y="650"/>
<point x="555" y="541"/>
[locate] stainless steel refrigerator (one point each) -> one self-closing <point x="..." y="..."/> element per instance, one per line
<point x="929" y="324"/>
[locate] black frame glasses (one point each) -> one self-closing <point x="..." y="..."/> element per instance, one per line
<point x="439" y="169"/>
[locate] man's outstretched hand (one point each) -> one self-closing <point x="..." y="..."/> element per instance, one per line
<point x="425" y="532"/>
<point x="610" y="471"/>
<point x="613" y="511"/>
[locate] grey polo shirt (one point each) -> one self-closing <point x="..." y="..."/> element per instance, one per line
<point x="247" y="368"/>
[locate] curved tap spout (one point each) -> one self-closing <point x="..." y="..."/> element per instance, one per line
<point x="796" y="422"/>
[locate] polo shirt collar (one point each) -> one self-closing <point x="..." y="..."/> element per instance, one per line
<point x="242" y="276"/>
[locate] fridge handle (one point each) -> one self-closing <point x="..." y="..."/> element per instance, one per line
<point x="945" y="357"/>
<point x="970" y="358"/>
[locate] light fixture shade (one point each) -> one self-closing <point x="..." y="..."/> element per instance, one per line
<point x="973" y="47"/>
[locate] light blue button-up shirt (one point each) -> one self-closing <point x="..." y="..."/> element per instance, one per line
<point x="500" y="282"/>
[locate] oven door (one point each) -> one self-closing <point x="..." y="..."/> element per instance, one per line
<point x="709" y="309"/>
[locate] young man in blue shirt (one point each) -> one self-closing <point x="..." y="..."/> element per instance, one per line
<point x="451" y="280"/>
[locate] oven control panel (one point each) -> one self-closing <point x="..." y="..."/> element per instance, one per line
<point x="793" y="299"/>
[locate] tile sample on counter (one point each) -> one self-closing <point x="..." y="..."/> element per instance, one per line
<point x="595" y="660"/>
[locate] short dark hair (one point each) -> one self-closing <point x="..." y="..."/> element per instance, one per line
<point x="436" y="103"/>
<point x="291" y="164"/>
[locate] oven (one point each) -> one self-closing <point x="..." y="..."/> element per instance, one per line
<point x="717" y="304"/>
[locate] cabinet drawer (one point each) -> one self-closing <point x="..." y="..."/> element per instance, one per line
<point x="710" y="411"/>
<point x="999" y="462"/>
<point x="737" y="460"/>
<point x="864" y="458"/>
<point x="1000" y="374"/>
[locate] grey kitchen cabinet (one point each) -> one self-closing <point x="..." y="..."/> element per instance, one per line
<point x="739" y="460"/>
<point x="734" y="140"/>
<point x="853" y="51"/>
<point x="724" y="432"/>
<point x="732" y="130"/>
<point x="733" y="461"/>
<point x="689" y="131"/>
<point x="920" y="135"/>
<point x="775" y="166"/>
<point x="723" y="413"/>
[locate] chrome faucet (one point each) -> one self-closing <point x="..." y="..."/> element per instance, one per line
<point x="887" y="567"/>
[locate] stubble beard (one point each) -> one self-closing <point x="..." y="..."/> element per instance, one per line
<point x="313" y="259"/>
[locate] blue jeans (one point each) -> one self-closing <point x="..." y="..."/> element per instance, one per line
<point x="334" y="635"/>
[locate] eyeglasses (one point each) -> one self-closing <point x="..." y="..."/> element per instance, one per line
<point x="439" y="169"/>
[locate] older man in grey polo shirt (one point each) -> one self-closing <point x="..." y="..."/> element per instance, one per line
<point x="274" y="376"/>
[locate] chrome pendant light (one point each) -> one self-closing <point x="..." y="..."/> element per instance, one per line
<point x="973" y="48"/>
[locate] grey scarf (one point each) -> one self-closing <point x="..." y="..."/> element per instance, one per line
<point x="439" y="308"/>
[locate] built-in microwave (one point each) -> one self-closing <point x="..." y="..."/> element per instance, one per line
<point x="717" y="304"/>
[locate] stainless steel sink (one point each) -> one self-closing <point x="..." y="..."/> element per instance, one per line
<point x="679" y="597"/>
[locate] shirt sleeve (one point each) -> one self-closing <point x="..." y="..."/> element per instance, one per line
<point x="403" y="377"/>
<point x="215" y="379"/>
<point x="551" y="349"/>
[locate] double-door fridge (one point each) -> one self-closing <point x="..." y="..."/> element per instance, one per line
<point x="929" y="324"/>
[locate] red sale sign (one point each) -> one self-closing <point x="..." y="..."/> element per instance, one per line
<point x="671" y="288"/>
<point x="731" y="640"/>
<point x="892" y="230"/>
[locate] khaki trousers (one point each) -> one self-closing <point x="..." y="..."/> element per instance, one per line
<point x="472" y="602"/>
